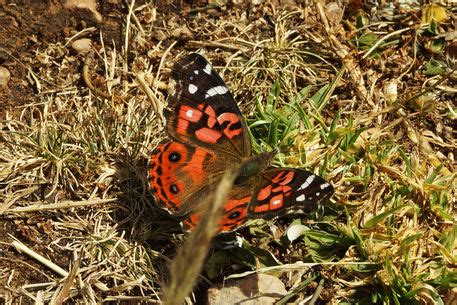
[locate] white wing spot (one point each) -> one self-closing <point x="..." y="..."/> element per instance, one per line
<point x="196" y="72"/>
<point x="276" y="202"/>
<point x="307" y="182"/>
<point x="192" y="89"/>
<point x="324" y="186"/>
<point x="189" y="113"/>
<point x="301" y="197"/>
<point x="219" y="90"/>
<point x="318" y="194"/>
<point x="207" y="69"/>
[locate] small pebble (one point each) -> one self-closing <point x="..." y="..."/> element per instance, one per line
<point x="333" y="12"/>
<point x="81" y="46"/>
<point x="5" y="76"/>
<point x="91" y="5"/>
<point x="255" y="289"/>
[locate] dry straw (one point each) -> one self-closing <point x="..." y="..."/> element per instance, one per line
<point x="188" y="263"/>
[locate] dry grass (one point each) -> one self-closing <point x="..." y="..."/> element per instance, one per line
<point x="73" y="177"/>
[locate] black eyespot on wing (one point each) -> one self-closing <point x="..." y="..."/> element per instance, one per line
<point x="174" y="157"/>
<point x="234" y="215"/>
<point x="174" y="189"/>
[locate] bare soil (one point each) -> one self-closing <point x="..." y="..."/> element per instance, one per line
<point x="25" y="28"/>
<point x="28" y="26"/>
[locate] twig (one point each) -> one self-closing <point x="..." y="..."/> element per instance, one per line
<point x="23" y="248"/>
<point x="414" y="57"/>
<point x="60" y="205"/>
<point x="65" y="291"/>
<point x="297" y="266"/>
<point x="214" y="44"/>
<point x="203" y="9"/>
<point x="317" y="292"/>
<point x="126" y="42"/>
<point x="86" y="77"/>
<point x="378" y="43"/>
<point x="430" y="89"/>
<point x="79" y="34"/>
<point x="162" y="59"/>
<point x="156" y="104"/>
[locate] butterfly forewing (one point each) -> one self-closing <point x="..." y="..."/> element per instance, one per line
<point x="202" y="112"/>
<point x="287" y="190"/>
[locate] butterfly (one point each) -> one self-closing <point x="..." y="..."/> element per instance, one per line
<point x="207" y="135"/>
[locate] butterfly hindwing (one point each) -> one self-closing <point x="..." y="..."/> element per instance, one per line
<point x="235" y="210"/>
<point x="178" y="175"/>
<point x="202" y="112"/>
<point x="287" y="190"/>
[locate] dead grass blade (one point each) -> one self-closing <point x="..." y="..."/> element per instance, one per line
<point x="188" y="263"/>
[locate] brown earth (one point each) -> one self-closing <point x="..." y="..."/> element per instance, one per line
<point x="26" y="27"/>
<point x="29" y="26"/>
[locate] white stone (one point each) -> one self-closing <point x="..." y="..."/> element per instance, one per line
<point x="90" y="5"/>
<point x="255" y="289"/>
<point x="295" y="231"/>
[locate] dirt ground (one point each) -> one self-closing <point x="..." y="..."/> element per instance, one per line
<point x="26" y="29"/>
<point x="27" y="26"/>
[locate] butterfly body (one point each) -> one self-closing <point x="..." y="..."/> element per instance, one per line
<point x="207" y="135"/>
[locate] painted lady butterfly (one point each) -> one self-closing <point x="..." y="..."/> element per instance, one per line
<point x="208" y="134"/>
